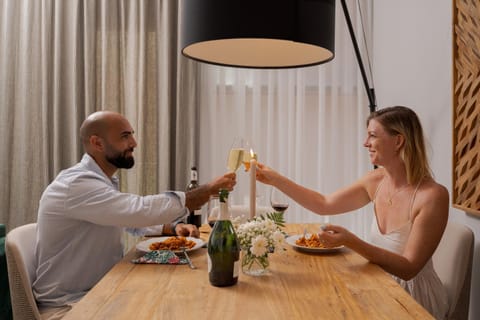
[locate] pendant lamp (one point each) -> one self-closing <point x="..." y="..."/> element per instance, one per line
<point x="269" y="34"/>
<point x="259" y="33"/>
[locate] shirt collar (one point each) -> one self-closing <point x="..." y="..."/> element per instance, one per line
<point x="92" y="165"/>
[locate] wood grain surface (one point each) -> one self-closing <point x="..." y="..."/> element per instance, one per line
<point x="339" y="285"/>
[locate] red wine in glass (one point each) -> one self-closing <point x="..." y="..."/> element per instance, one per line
<point x="211" y="223"/>
<point x="213" y="210"/>
<point x="280" y="207"/>
<point x="278" y="200"/>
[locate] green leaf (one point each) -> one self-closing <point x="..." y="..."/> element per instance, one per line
<point x="276" y="217"/>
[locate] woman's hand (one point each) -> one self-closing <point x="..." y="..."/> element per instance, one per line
<point x="335" y="236"/>
<point x="266" y="174"/>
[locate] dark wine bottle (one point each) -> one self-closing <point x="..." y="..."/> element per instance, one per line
<point x="223" y="249"/>
<point x="195" y="216"/>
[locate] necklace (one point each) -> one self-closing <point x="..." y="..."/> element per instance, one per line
<point x="390" y="197"/>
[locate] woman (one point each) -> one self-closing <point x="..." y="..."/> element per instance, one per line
<point x="411" y="209"/>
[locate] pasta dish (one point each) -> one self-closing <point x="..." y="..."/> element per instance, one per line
<point x="310" y="242"/>
<point x="172" y="243"/>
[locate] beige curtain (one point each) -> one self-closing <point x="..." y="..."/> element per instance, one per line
<point x="62" y="60"/>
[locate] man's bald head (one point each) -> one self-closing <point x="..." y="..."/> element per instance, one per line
<point x="98" y="124"/>
<point x="107" y="137"/>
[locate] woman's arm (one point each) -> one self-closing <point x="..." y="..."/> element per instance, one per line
<point x="431" y="216"/>
<point x="347" y="199"/>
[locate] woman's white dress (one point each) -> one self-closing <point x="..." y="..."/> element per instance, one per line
<point x="426" y="287"/>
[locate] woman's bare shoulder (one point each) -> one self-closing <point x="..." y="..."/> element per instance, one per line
<point x="432" y="189"/>
<point x="373" y="176"/>
<point x="371" y="180"/>
<point x="432" y="198"/>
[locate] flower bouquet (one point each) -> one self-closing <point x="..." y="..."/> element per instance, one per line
<point x="258" y="238"/>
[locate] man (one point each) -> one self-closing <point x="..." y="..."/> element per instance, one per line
<point x="82" y="214"/>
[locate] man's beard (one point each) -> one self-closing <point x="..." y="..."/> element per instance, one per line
<point x="120" y="160"/>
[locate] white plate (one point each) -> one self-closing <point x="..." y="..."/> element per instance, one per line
<point x="292" y="239"/>
<point x="144" y="245"/>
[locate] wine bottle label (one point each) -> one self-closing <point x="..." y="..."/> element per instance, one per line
<point x="194" y="176"/>
<point x="236" y="268"/>
<point x="224" y="211"/>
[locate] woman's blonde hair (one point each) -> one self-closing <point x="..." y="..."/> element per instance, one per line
<point x="404" y="121"/>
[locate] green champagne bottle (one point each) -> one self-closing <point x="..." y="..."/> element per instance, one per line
<point x="223" y="248"/>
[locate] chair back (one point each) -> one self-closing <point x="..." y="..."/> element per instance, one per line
<point x="453" y="263"/>
<point x="21" y="263"/>
<point x="5" y="306"/>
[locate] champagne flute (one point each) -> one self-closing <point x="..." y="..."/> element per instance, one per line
<point x="278" y="200"/>
<point x="248" y="155"/>
<point x="235" y="155"/>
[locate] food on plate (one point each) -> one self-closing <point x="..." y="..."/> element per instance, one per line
<point x="172" y="243"/>
<point x="310" y="242"/>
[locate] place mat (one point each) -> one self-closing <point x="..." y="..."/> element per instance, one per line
<point x="160" y="257"/>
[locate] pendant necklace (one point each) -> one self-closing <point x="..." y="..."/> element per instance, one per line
<point x="390" y="197"/>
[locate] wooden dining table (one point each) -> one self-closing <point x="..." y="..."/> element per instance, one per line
<point x="299" y="285"/>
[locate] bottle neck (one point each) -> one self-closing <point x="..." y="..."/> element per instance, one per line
<point x="224" y="211"/>
<point x="193" y="176"/>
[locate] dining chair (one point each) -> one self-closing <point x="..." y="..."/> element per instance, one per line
<point x="453" y="263"/>
<point x="5" y="306"/>
<point x="20" y="250"/>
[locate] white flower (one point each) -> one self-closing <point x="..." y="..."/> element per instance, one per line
<point x="278" y="238"/>
<point x="260" y="236"/>
<point x="269" y="224"/>
<point x="259" y="246"/>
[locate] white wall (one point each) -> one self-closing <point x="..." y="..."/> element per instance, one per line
<point x="413" y="67"/>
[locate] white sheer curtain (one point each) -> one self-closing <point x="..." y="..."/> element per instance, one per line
<point x="308" y="124"/>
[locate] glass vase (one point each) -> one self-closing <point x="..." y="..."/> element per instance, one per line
<point x="253" y="265"/>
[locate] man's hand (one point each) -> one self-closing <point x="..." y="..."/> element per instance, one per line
<point x="196" y="198"/>
<point x="187" y="230"/>
<point x="227" y="181"/>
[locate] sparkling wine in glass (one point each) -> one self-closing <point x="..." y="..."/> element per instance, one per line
<point x="248" y="155"/>
<point x="235" y="156"/>
<point x="278" y="200"/>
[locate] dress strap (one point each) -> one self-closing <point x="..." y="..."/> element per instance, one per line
<point x="413" y="199"/>
<point x="378" y="188"/>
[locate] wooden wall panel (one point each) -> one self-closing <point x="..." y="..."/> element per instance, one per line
<point x="466" y="105"/>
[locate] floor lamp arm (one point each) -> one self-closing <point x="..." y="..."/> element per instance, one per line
<point x="370" y="90"/>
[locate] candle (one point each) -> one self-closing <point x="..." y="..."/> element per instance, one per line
<point x="253" y="184"/>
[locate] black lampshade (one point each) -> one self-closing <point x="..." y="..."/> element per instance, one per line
<point x="259" y="33"/>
